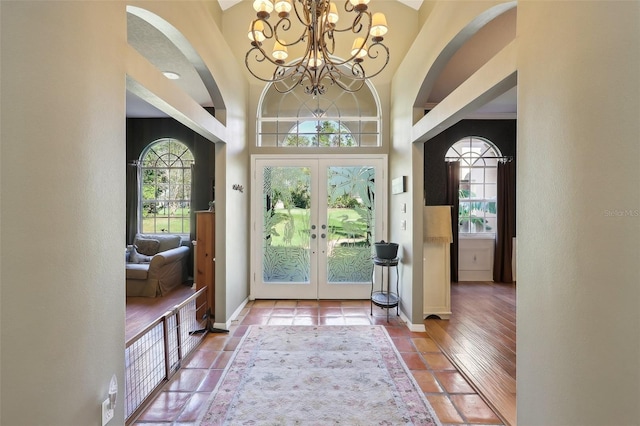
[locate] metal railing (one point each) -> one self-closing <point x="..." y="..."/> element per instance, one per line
<point x="155" y="354"/>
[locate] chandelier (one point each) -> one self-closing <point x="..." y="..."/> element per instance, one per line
<point x="314" y="33"/>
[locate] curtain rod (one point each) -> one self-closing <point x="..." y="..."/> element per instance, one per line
<point x="502" y="158"/>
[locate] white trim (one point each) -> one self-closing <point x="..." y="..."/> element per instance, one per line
<point x="291" y="291"/>
<point x="377" y="118"/>
<point x="233" y="317"/>
<point x="477" y="235"/>
<point x="481" y="115"/>
<point x="416" y="328"/>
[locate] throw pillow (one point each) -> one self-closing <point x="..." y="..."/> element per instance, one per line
<point x="148" y="247"/>
<point x="135" y="257"/>
<point x="167" y="241"/>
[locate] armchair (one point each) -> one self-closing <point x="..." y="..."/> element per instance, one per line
<point x="165" y="270"/>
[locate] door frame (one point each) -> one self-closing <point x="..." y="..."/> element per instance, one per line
<point x="256" y="208"/>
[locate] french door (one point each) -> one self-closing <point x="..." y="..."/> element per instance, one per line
<point x="315" y="222"/>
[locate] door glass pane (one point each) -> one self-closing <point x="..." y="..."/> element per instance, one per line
<point x="351" y="223"/>
<point x="286" y="199"/>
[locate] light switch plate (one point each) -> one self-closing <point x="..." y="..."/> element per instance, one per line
<point x="107" y="413"/>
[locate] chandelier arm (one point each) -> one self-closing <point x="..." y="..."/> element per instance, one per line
<point x="315" y="87"/>
<point x="350" y="59"/>
<point x="260" y="56"/>
<point x="325" y="48"/>
<point x="281" y="25"/>
<point x="293" y="75"/>
<point x="263" y="55"/>
<point x="267" y="31"/>
<point x="304" y="10"/>
<point x="386" y="62"/>
<point x="285" y="25"/>
<point x="356" y="21"/>
<point x="358" y="86"/>
<point x="334" y="75"/>
<point x="348" y="6"/>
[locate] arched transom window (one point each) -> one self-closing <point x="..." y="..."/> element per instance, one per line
<point x="336" y="119"/>
<point x="165" y="188"/>
<point x="478" y="184"/>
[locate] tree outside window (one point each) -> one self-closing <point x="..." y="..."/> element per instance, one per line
<point x="478" y="184"/>
<point x="165" y="193"/>
<point x="327" y="133"/>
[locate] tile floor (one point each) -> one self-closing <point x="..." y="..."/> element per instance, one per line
<point x="180" y="401"/>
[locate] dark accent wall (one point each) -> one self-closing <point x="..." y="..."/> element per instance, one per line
<point x="143" y="131"/>
<point x="502" y="133"/>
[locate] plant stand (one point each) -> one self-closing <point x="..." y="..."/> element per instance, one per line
<point x="385" y="299"/>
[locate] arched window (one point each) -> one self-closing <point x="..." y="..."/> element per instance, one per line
<point x="320" y="133"/>
<point x="333" y="120"/>
<point x="165" y="192"/>
<point x="478" y="183"/>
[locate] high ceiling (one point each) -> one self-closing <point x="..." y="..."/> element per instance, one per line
<point x="161" y="52"/>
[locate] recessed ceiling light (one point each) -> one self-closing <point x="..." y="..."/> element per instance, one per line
<point x="171" y="75"/>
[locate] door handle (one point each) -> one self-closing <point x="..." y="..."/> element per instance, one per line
<point x="313" y="236"/>
<point x="323" y="236"/>
<point x="313" y="227"/>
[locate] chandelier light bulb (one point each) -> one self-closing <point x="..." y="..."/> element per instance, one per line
<point x="263" y="8"/>
<point x="279" y="52"/>
<point x="283" y="7"/>
<point x="356" y="48"/>
<point x="256" y="31"/>
<point x="332" y="16"/>
<point x="378" y="25"/>
<point x="315" y="61"/>
<point x="359" y="5"/>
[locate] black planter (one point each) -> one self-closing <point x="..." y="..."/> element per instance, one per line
<point x="386" y="250"/>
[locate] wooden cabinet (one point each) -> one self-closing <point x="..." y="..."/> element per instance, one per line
<point x="205" y="272"/>
<point x="437" y="280"/>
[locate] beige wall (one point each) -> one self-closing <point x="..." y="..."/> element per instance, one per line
<point x="63" y="154"/>
<point x="578" y="213"/>
<point x="195" y="21"/>
<point x="63" y="196"/>
<point x="446" y="28"/>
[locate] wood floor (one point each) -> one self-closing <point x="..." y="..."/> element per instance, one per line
<point x="142" y="311"/>
<point x="480" y="339"/>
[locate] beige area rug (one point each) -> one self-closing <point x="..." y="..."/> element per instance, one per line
<point x="317" y="375"/>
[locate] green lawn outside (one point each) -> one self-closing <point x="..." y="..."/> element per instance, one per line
<point x="167" y="222"/>
<point x="165" y="225"/>
<point x="298" y="235"/>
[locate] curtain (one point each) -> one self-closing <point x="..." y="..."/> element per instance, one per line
<point x="133" y="184"/>
<point x="192" y="212"/>
<point x="453" y="199"/>
<point x="506" y="226"/>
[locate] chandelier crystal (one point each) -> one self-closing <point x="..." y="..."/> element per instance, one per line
<point x="314" y="32"/>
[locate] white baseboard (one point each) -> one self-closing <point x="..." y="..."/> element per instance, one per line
<point x="418" y="328"/>
<point x="234" y="315"/>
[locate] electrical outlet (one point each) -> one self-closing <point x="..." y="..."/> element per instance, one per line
<point x="107" y="413"/>
<point x="403" y="225"/>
